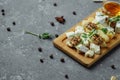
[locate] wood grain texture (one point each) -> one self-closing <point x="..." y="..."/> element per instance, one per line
<point x="60" y="43"/>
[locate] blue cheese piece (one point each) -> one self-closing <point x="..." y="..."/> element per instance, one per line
<point x="110" y="29"/>
<point x="79" y="30"/>
<point x="89" y="53"/>
<point x="82" y="48"/>
<point x="117" y="28"/>
<point x="70" y="34"/>
<point x="100" y="18"/>
<point x="95" y="48"/>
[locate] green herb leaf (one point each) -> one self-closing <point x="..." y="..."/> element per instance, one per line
<point x="45" y="36"/>
<point x="84" y="35"/>
<point x="104" y="30"/>
<point x="92" y="33"/>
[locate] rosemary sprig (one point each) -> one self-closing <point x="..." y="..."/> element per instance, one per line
<point x="40" y="36"/>
<point x="115" y="19"/>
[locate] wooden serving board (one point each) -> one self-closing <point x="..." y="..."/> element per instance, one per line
<point x="60" y="43"/>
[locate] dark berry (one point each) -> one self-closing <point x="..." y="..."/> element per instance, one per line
<point x="14" y="23"/>
<point x="52" y="24"/>
<point x="74" y="13"/>
<point x="3" y="10"/>
<point x="41" y="60"/>
<point x="51" y="56"/>
<point x="56" y="35"/>
<point x="113" y="67"/>
<point x="66" y="76"/>
<point x="8" y="29"/>
<point x="62" y="60"/>
<point x="40" y="49"/>
<point x="55" y="4"/>
<point x="3" y="14"/>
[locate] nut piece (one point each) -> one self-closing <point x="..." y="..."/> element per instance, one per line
<point x="75" y="40"/>
<point x="91" y="26"/>
<point x="97" y="39"/>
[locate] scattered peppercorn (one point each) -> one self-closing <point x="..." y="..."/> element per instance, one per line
<point x="8" y="29"/>
<point x="41" y="60"/>
<point x="66" y="76"/>
<point x="51" y="56"/>
<point x="61" y="19"/>
<point x="40" y="49"/>
<point x="3" y="14"/>
<point x="52" y="24"/>
<point x="56" y="35"/>
<point x="62" y="60"/>
<point x="14" y="23"/>
<point x="74" y="13"/>
<point x="2" y="10"/>
<point x="55" y="4"/>
<point x="113" y="67"/>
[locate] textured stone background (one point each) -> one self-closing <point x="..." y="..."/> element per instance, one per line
<point x="19" y="55"/>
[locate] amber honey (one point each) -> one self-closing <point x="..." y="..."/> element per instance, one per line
<point x="112" y="7"/>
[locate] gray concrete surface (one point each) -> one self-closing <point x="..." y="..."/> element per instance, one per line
<point x="19" y="55"/>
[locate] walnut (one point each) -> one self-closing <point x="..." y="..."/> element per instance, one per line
<point x="91" y="26"/>
<point x="75" y="40"/>
<point x="97" y="39"/>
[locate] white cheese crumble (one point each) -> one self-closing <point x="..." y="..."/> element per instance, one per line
<point x="95" y="48"/>
<point x="89" y="53"/>
<point x="69" y="34"/>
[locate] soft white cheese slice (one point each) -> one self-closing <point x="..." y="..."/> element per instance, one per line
<point x="100" y="17"/>
<point x="95" y="48"/>
<point x="69" y="34"/>
<point x="82" y="48"/>
<point x="89" y="53"/>
<point x="79" y="30"/>
<point x="117" y="28"/>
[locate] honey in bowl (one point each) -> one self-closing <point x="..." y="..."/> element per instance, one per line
<point x="113" y="8"/>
